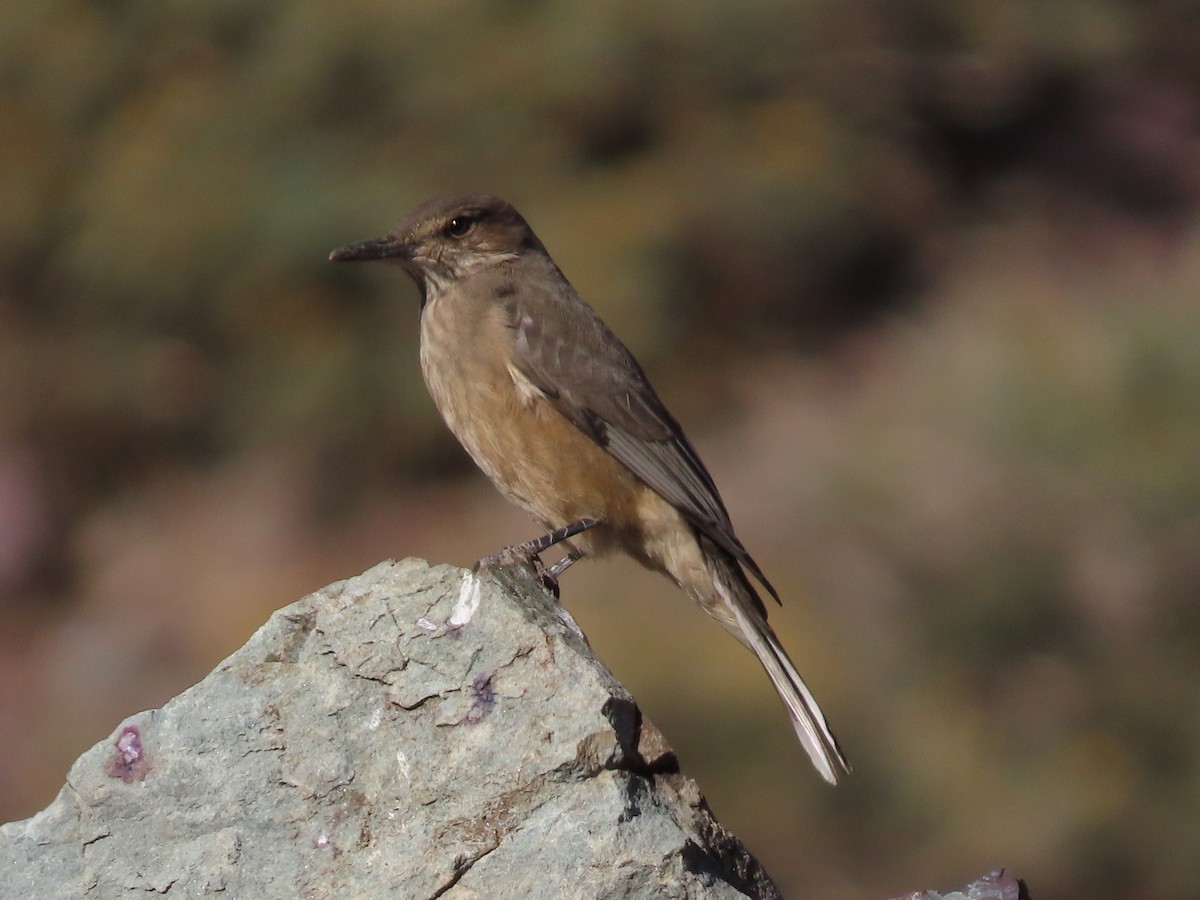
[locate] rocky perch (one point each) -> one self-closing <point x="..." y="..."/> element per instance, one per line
<point x="415" y="731"/>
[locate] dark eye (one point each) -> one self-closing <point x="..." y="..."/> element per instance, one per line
<point x="459" y="226"/>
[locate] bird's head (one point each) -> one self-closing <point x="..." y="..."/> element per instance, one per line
<point x="446" y="239"/>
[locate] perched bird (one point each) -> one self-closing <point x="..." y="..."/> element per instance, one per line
<point x="556" y="411"/>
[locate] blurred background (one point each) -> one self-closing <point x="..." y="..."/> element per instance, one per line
<point x="921" y="279"/>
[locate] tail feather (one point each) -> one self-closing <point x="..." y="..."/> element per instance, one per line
<point x="802" y="707"/>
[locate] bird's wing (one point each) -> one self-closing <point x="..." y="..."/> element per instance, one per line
<point x="589" y="376"/>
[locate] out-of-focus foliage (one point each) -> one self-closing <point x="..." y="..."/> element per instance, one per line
<point x="921" y="278"/>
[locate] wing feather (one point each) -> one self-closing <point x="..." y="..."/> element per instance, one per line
<point x="595" y="383"/>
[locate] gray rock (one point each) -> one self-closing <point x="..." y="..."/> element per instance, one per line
<point x="999" y="884"/>
<point x="415" y="731"/>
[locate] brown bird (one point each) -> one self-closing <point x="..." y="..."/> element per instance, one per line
<point x="560" y="416"/>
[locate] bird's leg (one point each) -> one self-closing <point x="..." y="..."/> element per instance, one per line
<point x="546" y="541"/>
<point x="528" y="551"/>
<point x="563" y="564"/>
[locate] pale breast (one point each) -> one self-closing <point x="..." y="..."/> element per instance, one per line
<point x="535" y="457"/>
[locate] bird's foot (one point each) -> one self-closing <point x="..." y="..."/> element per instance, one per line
<point x="520" y="555"/>
<point x="528" y="553"/>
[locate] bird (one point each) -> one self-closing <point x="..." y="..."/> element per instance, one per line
<point x="561" y="417"/>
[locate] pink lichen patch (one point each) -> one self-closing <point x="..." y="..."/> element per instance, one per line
<point x="484" y="699"/>
<point x="129" y="762"/>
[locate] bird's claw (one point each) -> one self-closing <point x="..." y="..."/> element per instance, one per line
<point x="515" y="556"/>
<point x="529" y="553"/>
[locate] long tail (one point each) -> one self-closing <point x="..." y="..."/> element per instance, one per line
<point x="747" y="612"/>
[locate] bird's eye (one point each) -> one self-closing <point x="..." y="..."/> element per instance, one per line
<point x="459" y="226"/>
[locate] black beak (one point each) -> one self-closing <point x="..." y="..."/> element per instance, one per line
<point x="380" y="248"/>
